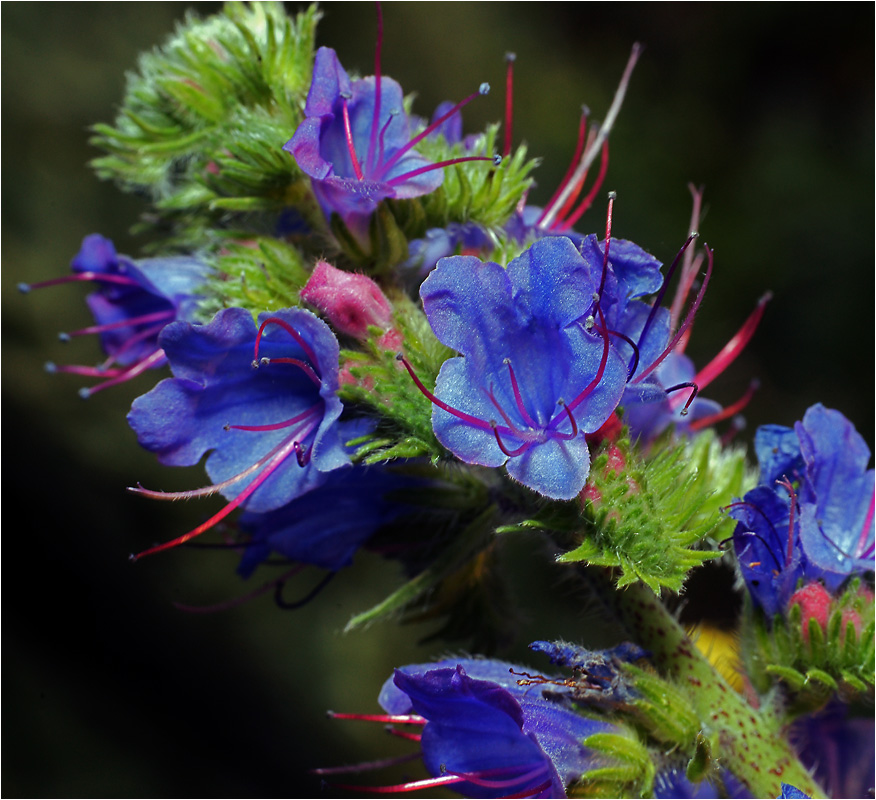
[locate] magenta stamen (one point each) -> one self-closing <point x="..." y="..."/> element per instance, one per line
<point x="372" y="141"/>
<point x="591" y="195"/>
<point x="440" y="165"/>
<point x="634" y="361"/>
<point x="483" y="89"/>
<point x="477" y="780"/>
<point x="368" y="765"/>
<point x="245" y="598"/>
<point x="510" y="453"/>
<point x="100" y="277"/>
<point x="579" y="149"/>
<point x="157" y="316"/>
<point x="512" y="428"/>
<point x="735" y="346"/>
<point x="865" y="531"/>
<point x="88" y="372"/>
<point x="292" y="332"/>
<point x="411" y="786"/>
<point x="533" y="792"/>
<point x="153" y="359"/>
<point x="518" y="398"/>
<point x="658" y="302"/>
<point x="351" y="147"/>
<point x="297" y="362"/>
<point x="730" y="411"/>
<point x="604" y="131"/>
<point x="787" y="484"/>
<point x="392" y="719"/>
<point x="567" y="436"/>
<point x="131" y="342"/>
<point x="510" y="58"/>
<point x="578" y="185"/>
<point x="688" y="268"/>
<point x="694" y="391"/>
<point x="275" y="426"/>
<point x="382" y="137"/>
<point x="411" y="737"/>
<point x="687" y="321"/>
<point x="288" y="448"/>
<point x="759" y="537"/>
<point x="477" y="423"/>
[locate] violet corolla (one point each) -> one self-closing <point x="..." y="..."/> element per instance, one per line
<point x="484" y="734"/>
<point x="260" y="400"/>
<point x="134" y="302"/>
<point x="811" y="517"/>
<point x="355" y="142"/>
<point x="536" y="371"/>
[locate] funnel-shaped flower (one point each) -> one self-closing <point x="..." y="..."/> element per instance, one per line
<point x="260" y="401"/>
<point x="535" y="373"/>
<point x="355" y="143"/>
<point x="134" y="302"/>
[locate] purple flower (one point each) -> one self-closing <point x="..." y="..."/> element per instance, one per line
<point x="327" y="525"/>
<point x="535" y="372"/>
<point x="261" y="402"/>
<point x="820" y="529"/>
<point x="487" y="735"/>
<point x="136" y="299"/>
<point x="356" y="146"/>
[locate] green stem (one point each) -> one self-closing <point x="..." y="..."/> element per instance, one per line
<point x="745" y="740"/>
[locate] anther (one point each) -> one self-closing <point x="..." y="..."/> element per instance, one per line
<point x="63" y="337"/>
<point x="484" y="88"/>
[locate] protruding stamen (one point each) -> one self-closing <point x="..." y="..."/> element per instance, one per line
<point x="275" y="426"/>
<point x="410" y="786"/>
<point x="518" y="397"/>
<point x="369" y="765"/>
<point x="574" y="433"/>
<point x="510" y="453"/>
<point x="604" y="131"/>
<point x="143" y="319"/>
<point x="239" y="601"/>
<point x="694" y="390"/>
<point x="689" y="268"/>
<point x="390" y="719"/>
<point x="475" y="421"/>
<point x="117" y="377"/>
<point x="792" y="508"/>
<point x="762" y="541"/>
<point x="579" y="149"/>
<point x="286" y="605"/>
<point x="684" y="326"/>
<point x="483" y="89"/>
<point x="308" y="351"/>
<point x="496" y="159"/>
<point x="591" y="195"/>
<point x="510" y="58"/>
<point x="735" y="346"/>
<point x="348" y="134"/>
<point x="731" y="410"/>
<point x="80" y="277"/>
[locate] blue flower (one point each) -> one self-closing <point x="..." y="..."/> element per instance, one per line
<point x="136" y="299"/>
<point x="260" y="401"/>
<point x="326" y="526"/>
<point x="535" y="372"/>
<point x="812" y="516"/>
<point x="356" y="146"/>
<point x="486" y="735"/>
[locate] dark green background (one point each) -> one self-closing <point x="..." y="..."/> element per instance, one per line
<point x="108" y="689"/>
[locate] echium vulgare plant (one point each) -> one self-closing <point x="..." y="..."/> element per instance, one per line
<point x="383" y="352"/>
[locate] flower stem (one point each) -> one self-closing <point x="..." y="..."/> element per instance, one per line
<point x="746" y="741"/>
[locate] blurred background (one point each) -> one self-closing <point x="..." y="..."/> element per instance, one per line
<point x="108" y="688"/>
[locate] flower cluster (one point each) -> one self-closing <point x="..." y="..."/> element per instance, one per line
<point x="415" y="362"/>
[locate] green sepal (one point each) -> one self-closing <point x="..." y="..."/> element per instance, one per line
<point x="700" y="765"/>
<point x="662" y="709"/>
<point x="630" y="770"/>
<point x="650" y="517"/>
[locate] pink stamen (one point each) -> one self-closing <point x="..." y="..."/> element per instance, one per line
<point x="153" y="359"/>
<point x="577" y="186"/>
<point x="411" y="737"/>
<point x="292" y="332"/>
<point x="735" y="346"/>
<point x="518" y="398"/>
<point x="787" y="484"/>
<point x="591" y="195"/>
<point x="79" y="277"/>
<point x="392" y="719"/>
<point x="604" y="131"/>
<point x="567" y="436"/>
<point x="372" y="141"/>
<point x="579" y="149"/>
<point x="284" y="452"/>
<point x="88" y="372"/>
<point x="483" y="89"/>
<point x="728" y="412"/>
<point x="865" y="531"/>
<point x="131" y="342"/>
<point x="410" y="786"/>
<point x="475" y="421"/>
<point x="689" y="269"/>
<point x="440" y="165"/>
<point x="158" y="316"/>
<point x="687" y="321"/>
<point x="314" y="409"/>
<point x="351" y="147"/>
<point x="297" y="362"/>
<point x="510" y="58"/>
<point x="510" y="453"/>
<point x="368" y="765"/>
<point x="508" y="421"/>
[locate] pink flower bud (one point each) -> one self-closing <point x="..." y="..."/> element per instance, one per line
<point x="350" y="302"/>
<point x="814" y="601"/>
